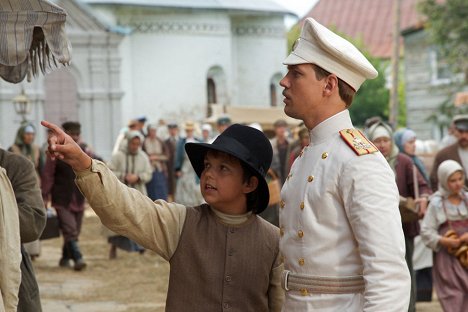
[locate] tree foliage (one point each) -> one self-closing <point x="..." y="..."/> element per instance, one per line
<point x="447" y="24"/>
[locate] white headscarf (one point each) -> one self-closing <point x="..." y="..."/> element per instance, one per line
<point x="445" y="170"/>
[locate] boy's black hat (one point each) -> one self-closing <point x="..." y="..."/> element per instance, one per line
<point x="247" y="144"/>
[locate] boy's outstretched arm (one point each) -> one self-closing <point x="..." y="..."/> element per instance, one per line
<point x="63" y="147"/>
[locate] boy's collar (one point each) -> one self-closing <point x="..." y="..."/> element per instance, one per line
<point x="232" y="219"/>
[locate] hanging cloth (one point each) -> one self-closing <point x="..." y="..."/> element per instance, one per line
<point x="32" y="33"/>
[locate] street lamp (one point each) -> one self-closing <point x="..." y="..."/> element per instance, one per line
<point x="22" y="104"/>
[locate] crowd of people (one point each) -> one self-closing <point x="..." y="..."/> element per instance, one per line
<point x="361" y="222"/>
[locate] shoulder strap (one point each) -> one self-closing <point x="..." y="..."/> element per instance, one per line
<point x="358" y="142"/>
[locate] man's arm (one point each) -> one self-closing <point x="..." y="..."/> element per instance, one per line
<point x="370" y="197"/>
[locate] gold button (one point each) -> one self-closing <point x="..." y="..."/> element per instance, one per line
<point x="281" y="231"/>
<point x="304" y="292"/>
<point x="300" y="233"/>
<point x="301" y="261"/>
<point x="282" y="204"/>
<point x="310" y="178"/>
<point x="302" y="205"/>
<point x="324" y="155"/>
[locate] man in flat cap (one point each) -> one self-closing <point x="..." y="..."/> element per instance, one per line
<point x="58" y="186"/>
<point x="341" y="232"/>
<point x="457" y="151"/>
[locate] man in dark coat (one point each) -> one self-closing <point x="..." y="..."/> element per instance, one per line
<point x="58" y="186"/>
<point x="457" y="151"/>
<point x="32" y="220"/>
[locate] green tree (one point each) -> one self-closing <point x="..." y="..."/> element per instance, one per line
<point x="447" y="24"/>
<point x="372" y="97"/>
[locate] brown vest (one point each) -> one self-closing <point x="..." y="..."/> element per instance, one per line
<point x="220" y="267"/>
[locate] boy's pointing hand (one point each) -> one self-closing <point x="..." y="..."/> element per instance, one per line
<point x="63" y="147"/>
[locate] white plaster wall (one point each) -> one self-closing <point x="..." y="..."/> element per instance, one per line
<point x="164" y="67"/>
<point x="169" y="68"/>
<point x="258" y="58"/>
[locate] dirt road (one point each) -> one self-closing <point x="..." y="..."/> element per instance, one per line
<point x="130" y="283"/>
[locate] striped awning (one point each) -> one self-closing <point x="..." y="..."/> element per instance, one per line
<point x="32" y="38"/>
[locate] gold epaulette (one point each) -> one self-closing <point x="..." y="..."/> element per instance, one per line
<point x="358" y="142"/>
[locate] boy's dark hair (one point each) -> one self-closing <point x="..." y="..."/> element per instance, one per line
<point x="252" y="197"/>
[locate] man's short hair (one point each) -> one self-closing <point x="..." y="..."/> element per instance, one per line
<point x="72" y="127"/>
<point x="345" y="90"/>
<point x="280" y="123"/>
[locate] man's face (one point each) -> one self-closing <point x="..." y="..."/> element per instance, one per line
<point x="134" y="145"/>
<point x="302" y="91"/>
<point x="462" y="138"/>
<point x="173" y="131"/>
<point x="280" y="132"/>
<point x="222" y="127"/>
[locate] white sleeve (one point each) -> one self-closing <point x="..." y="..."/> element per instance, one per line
<point x="429" y="226"/>
<point x="371" y="198"/>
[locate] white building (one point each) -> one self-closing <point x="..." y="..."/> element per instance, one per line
<point x="159" y="58"/>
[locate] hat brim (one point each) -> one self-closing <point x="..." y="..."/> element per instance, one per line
<point x="294" y="59"/>
<point x="462" y="127"/>
<point x="196" y="154"/>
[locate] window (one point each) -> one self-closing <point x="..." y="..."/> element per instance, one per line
<point x="211" y="89"/>
<point x="440" y="71"/>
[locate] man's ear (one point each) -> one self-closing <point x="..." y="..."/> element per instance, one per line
<point x="251" y="185"/>
<point x="331" y="83"/>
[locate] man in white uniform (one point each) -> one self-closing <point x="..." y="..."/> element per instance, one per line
<point x="342" y="238"/>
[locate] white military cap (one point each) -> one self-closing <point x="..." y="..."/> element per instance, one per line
<point x="322" y="47"/>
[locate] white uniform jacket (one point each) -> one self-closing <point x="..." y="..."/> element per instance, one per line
<point x="339" y="217"/>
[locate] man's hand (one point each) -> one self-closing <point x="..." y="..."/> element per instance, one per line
<point x="63" y="147"/>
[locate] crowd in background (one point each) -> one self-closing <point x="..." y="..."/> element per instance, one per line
<point x="151" y="158"/>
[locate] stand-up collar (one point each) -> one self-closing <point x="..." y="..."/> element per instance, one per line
<point x="330" y="126"/>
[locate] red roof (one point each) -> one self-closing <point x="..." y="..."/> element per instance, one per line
<point x="369" y="20"/>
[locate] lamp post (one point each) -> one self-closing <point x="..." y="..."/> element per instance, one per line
<point x="22" y="105"/>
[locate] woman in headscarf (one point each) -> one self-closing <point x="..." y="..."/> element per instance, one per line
<point x="445" y="230"/>
<point x="405" y="139"/>
<point x="381" y="135"/>
<point x="24" y="145"/>
<point x="133" y="168"/>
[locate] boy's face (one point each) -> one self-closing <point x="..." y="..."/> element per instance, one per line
<point x="222" y="183"/>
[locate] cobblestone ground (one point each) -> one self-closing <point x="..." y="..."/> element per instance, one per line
<point x="131" y="283"/>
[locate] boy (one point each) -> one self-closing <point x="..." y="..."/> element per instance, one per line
<point x="222" y="255"/>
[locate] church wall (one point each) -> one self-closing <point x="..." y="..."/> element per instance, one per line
<point x="260" y="46"/>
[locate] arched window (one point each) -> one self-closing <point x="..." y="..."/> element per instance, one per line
<point x="216" y="91"/>
<point x="211" y="89"/>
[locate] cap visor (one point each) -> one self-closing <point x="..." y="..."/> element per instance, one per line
<point x="294" y="59"/>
